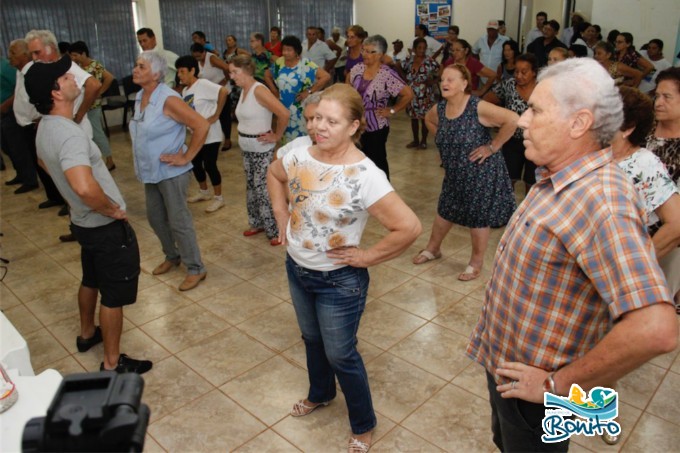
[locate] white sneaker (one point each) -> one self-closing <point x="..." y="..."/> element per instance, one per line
<point x="199" y="197"/>
<point x="215" y="205"/>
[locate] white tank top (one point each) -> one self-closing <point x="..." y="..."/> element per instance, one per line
<point x="210" y="72"/>
<point x="253" y="118"/>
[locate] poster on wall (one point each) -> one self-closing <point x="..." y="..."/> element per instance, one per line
<point x="436" y="15"/>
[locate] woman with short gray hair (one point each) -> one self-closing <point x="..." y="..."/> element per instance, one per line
<point x="377" y="83"/>
<point x="163" y="163"/>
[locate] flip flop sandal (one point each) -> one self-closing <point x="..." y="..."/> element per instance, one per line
<point x="300" y="409"/>
<point x="429" y="256"/>
<point x="470" y="274"/>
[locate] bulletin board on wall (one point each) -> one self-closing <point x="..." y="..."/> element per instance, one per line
<point x="437" y="15"/>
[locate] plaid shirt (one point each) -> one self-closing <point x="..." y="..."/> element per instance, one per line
<point x="575" y="257"/>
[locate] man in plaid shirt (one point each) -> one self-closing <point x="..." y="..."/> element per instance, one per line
<point x="576" y="294"/>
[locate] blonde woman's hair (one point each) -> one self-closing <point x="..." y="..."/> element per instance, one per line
<point x="466" y="75"/>
<point x="350" y="99"/>
<point x="245" y="63"/>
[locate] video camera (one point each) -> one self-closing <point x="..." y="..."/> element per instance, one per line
<point x="97" y="412"/>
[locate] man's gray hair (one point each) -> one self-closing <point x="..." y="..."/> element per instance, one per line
<point x="378" y="41"/>
<point x="336" y="29"/>
<point x="582" y="83"/>
<point x="45" y="36"/>
<point x="158" y="64"/>
<point x="312" y="99"/>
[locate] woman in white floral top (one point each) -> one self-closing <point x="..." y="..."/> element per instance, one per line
<point x="656" y="188"/>
<point x="322" y="196"/>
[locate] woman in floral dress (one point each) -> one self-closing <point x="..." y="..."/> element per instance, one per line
<point x="421" y="75"/>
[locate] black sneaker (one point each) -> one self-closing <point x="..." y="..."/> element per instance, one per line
<point x="128" y="365"/>
<point x="86" y="345"/>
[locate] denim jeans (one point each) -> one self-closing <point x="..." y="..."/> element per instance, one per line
<point x="328" y="306"/>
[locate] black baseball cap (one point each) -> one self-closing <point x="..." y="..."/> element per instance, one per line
<point x="40" y="78"/>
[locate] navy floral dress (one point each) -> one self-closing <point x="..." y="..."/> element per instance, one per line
<point x="473" y="195"/>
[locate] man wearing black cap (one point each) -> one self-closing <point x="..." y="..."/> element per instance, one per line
<point x="109" y="250"/>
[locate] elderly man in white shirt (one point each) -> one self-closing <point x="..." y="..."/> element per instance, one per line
<point x="490" y="46"/>
<point x="318" y="51"/>
<point x="147" y="41"/>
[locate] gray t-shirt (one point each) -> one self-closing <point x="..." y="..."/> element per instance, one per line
<point x="62" y="145"/>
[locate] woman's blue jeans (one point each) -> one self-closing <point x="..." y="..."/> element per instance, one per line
<point x="329" y="307"/>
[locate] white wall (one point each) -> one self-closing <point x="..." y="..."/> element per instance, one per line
<point x="645" y="19"/>
<point x="396" y="18"/>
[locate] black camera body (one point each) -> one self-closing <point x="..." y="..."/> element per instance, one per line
<point x="97" y="412"/>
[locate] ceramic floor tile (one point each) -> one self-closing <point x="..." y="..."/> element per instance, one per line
<point x="398" y="387"/>
<point x="154" y="302"/>
<point x="384" y="325"/>
<point x="434" y="349"/>
<point x="454" y="420"/>
<point x="22" y="319"/>
<point x="52" y="276"/>
<point x="171" y="385"/>
<point x="59" y="304"/>
<point x="65" y="366"/>
<point x="276" y="328"/>
<point x="151" y="446"/>
<point x="184" y="327"/>
<point x="384" y="279"/>
<point x="400" y="439"/>
<point x="421" y="298"/>
<point x="7" y="298"/>
<point x="225" y="355"/>
<point x="269" y="442"/>
<point x="653" y="434"/>
<point x="628" y="418"/>
<point x="240" y="302"/>
<point x="210" y="423"/>
<point x="325" y="430"/>
<point x="269" y="390"/>
<point x="445" y="273"/>
<point x="473" y="379"/>
<point x="44" y="348"/>
<point x="216" y="282"/>
<point x="638" y="387"/>
<point x="663" y="405"/>
<point x="462" y="317"/>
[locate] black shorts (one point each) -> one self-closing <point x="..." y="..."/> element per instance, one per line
<point x="110" y="259"/>
<point x="519" y="167"/>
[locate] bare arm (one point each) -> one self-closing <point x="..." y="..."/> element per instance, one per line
<point x="432" y="120"/>
<point x="278" y="194"/>
<point x="179" y="111"/>
<point x="404" y="99"/>
<point x="633" y="75"/>
<point x="217" y="62"/>
<point x="321" y="80"/>
<point x="493" y="116"/>
<point x="87" y="188"/>
<point x="404" y="228"/>
<point x="271" y="103"/>
<point x="5" y="106"/>
<point x="107" y="80"/>
<point x="271" y="84"/>
<point x="491" y="97"/>
<point x="221" y="101"/>
<point x="668" y="236"/>
<point x="639" y="336"/>
<point x="490" y="76"/>
<point x="91" y="89"/>
<point x="645" y="65"/>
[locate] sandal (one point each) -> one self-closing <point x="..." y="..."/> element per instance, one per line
<point x="413" y="144"/>
<point x="253" y="232"/>
<point x="425" y="256"/>
<point x="470" y="274"/>
<point x="357" y="446"/>
<point x="300" y="409"/>
<point x="423" y="145"/>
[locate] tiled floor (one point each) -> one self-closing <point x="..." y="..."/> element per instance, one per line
<point x="228" y="358"/>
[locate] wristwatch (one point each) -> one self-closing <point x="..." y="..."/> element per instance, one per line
<point x="392" y="111"/>
<point x="549" y="384"/>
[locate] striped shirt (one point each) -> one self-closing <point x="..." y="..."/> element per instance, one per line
<point x="575" y="256"/>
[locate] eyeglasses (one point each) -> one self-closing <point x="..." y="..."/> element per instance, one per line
<point x="370" y="52"/>
<point x="138" y="117"/>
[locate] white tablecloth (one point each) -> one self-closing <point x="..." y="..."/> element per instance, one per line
<point x="14" y="352"/>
